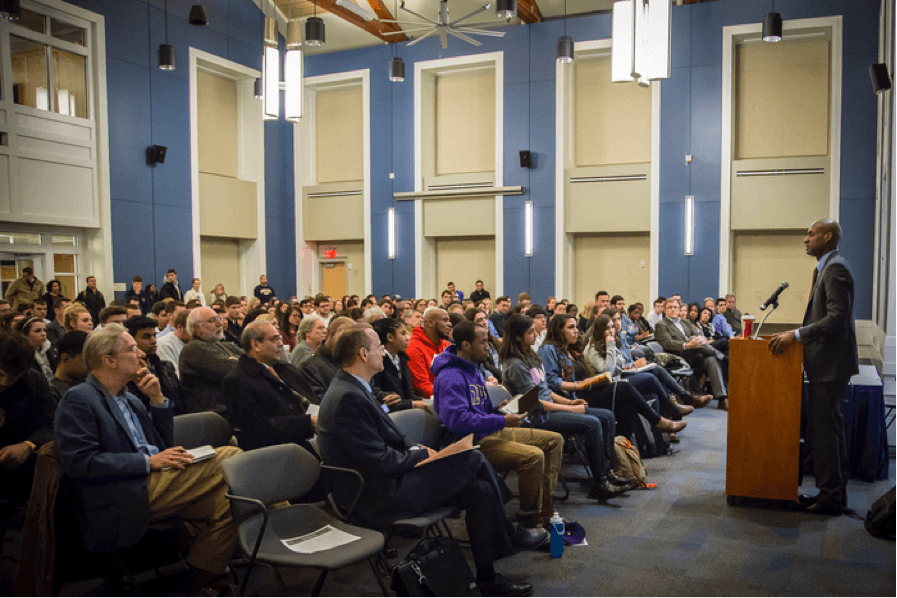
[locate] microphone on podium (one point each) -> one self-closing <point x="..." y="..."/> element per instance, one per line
<point x="773" y="299"/>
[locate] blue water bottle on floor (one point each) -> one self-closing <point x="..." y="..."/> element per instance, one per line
<point x="557" y="535"/>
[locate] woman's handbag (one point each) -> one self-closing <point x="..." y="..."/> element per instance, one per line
<point x="435" y="567"/>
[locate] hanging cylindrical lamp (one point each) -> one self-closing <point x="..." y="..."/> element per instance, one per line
<point x="168" y="58"/>
<point x="271" y="72"/>
<point x="292" y="73"/>
<point x="565" y="48"/>
<point x="772" y="27"/>
<point x="505" y="9"/>
<point x="314" y="31"/>
<point x="396" y="70"/>
<point x="198" y="16"/>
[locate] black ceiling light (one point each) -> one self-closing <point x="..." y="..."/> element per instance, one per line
<point x="198" y="16"/>
<point x="565" y="42"/>
<point x="772" y="25"/>
<point x="10" y="9"/>
<point x="168" y="58"/>
<point x="314" y="29"/>
<point x="396" y="70"/>
<point x="506" y="9"/>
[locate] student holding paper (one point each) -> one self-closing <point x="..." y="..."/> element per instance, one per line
<point x="354" y="432"/>
<point x="462" y="404"/>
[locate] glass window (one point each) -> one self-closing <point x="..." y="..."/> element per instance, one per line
<point x="32" y="21"/>
<point x="19" y="239"/>
<point x="66" y="32"/>
<point x="29" y="72"/>
<point x="67" y="240"/>
<point x="69" y="78"/>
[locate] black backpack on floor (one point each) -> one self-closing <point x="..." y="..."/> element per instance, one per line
<point x="881" y="516"/>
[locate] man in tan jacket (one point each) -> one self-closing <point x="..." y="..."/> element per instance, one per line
<point x="25" y="289"/>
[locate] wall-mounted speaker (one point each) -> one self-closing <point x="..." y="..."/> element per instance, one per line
<point x="881" y="81"/>
<point x="526" y="159"/>
<point x="155" y="154"/>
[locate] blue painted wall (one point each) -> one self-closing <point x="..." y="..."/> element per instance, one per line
<point x="690" y="124"/>
<point x="151" y="206"/>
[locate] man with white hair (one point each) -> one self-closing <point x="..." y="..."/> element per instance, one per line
<point x="205" y="361"/>
<point x="126" y="469"/>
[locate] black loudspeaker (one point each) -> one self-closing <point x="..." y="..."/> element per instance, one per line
<point x="878" y="73"/>
<point x="155" y="154"/>
<point x="526" y="159"/>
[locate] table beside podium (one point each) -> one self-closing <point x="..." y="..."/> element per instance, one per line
<point x="763" y="451"/>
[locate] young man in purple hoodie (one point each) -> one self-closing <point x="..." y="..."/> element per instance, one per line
<point x="462" y="403"/>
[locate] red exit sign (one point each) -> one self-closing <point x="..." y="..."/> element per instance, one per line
<point x="329" y="254"/>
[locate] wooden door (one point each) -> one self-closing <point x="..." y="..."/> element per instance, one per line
<point x="333" y="278"/>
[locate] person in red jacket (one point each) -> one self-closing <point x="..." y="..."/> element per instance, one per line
<point x="427" y="341"/>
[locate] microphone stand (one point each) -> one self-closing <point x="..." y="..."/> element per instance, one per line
<point x="774" y="305"/>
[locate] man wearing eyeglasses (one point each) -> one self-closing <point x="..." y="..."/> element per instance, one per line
<point x="126" y="469"/>
<point x="267" y="400"/>
<point x="206" y="359"/>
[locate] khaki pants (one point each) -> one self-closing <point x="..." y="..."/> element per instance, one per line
<point x="536" y="457"/>
<point x="196" y="493"/>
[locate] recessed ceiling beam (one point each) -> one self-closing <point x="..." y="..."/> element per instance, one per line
<point x="528" y="11"/>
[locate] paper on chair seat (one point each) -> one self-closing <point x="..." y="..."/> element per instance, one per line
<point x="319" y="540"/>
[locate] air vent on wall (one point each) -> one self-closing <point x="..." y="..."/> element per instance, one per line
<point x="334" y="194"/>
<point x="779" y="172"/>
<point x="609" y="178"/>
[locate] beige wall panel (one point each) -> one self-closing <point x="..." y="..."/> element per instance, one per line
<point x="459" y="217"/>
<point x="353" y="254"/>
<point x="339" y="135"/>
<point x="42" y="183"/>
<point x="611" y="121"/>
<point x="227" y="207"/>
<point x="761" y="261"/>
<point x="609" y="206"/>
<point x="790" y="201"/>
<point x="618" y="264"/>
<point x="782" y="99"/>
<point x="5" y="182"/>
<point x="465" y="122"/>
<point x="216" y="115"/>
<point x="333" y="218"/>
<point x="464" y="261"/>
<point x="221" y="263"/>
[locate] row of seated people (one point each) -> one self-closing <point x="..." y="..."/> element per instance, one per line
<point x="206" y="327"/>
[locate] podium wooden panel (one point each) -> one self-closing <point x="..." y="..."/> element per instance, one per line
<point x="762" y="455"/>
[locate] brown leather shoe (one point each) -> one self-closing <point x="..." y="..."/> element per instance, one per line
<point x="723" y="404"/>
<point x="666" y="425"/>
<point x="682" y="409"/>
<point x="697" y="401"/>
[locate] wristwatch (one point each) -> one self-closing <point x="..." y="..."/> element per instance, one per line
<point x="31" y="445"/>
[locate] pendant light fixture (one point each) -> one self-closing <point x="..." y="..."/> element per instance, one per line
<point x="292" y="71"/>
<point x="565" y="42"/>
<point x="641" y="46"/>
<point x="506" y="9"/>
<point x="167" y="56"/>
<point x="270" y="71"/>
<point x="396" y="65"/>
<point x="198" y="16"/>
<point x="314" y="29"/>
<point x="772" y="25"/>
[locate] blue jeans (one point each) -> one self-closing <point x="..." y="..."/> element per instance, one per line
<point x="598" y="427"/>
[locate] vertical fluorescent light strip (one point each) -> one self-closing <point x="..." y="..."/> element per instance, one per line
<point x="621" y="42"/>
<point x="271" y="84"/>
<point x="292" y="74"/>
<point x="528" y="228"/>
<point x="689" y="225"/>
<point x="640" y="38"/>
<point x="657" y="40"/>
<point x="391" y="233"/>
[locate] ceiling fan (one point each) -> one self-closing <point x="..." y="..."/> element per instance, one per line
<point x="443" y="27"/>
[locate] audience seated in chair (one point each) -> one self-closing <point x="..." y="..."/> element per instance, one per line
<point x="143" y="330"/>
<point x="395" y="379"/>
<point x="353" y="432"/>
<point x="127" y="472"/>
<point x="205" y="361"/>
<point x="427" y="341"/>
<point x="71" y="369"/>
<point x="267" y="400"/>
<point x="169" y="347"/>
<point x="463" y="406"/>
<point x="320" y="368"/>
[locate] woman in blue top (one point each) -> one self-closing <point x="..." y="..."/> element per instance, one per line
<point x="522" y="369"/>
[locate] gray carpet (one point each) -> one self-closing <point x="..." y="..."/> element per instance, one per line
<point x="680" y="539"/>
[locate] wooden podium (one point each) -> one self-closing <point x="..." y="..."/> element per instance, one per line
<point x="763" y="451"/>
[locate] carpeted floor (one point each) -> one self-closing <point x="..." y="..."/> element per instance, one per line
<point x="681" y="539"/>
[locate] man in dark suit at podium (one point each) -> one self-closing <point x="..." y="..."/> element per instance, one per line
<point x="830" y="359"/>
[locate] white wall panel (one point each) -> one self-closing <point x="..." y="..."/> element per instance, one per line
<point x="57" y="193"/>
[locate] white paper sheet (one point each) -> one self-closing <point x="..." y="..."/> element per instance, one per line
<point x="319" y="540"/>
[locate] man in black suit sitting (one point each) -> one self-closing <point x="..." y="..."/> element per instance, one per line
<point x="394" y="382"/>
<point x="355" y="432"/>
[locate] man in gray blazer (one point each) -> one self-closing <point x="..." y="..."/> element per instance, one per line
<point x="830" y="359"/>
<point x="678" y="337"/>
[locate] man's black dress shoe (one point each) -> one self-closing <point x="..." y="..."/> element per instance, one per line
<point x="502" y="586"/>
<point x="820" y="509"/>
<point x="805" y="500"/>
<point x="525" y="538"/>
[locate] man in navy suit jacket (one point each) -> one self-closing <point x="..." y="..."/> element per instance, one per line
<point x="830" y="359"/>
<point x="127" y="471"/>
<point x="355" y="432"/>
<point x="393" y="384"/>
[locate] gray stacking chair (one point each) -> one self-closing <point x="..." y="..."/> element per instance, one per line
<point x="193" y="430"/>
<point x="263" y="477"/>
